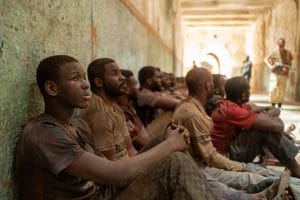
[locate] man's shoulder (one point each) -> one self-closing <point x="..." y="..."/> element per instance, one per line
<point x="226" y="106"/>
<point x="96" y="103"/>
<point x="229" y="110"/>
<point x="41" y="121"/>
<point x="97" y="108"/>
<point x="187" y="108"/>
<point x="146" y="97"/>
<point x="40" y="128"/>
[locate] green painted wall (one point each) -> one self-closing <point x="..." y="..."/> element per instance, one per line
<point x="32" y="30"/>
<point x="124" y="38"/>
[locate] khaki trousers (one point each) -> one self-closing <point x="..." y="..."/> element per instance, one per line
<point x="277" y="93"/>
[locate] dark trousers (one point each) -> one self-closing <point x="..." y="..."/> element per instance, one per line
<point x="248" y="144"/>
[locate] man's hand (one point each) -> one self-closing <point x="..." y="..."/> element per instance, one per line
<point x="271" y="111"/>
<point x="285" y="68"/>
<point x="178" y="136"/>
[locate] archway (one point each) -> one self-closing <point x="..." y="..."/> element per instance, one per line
<point x="216" y="55"/>
<point x="211" y="62"/>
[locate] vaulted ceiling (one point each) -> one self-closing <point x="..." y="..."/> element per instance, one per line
<point x="222" y="13"/>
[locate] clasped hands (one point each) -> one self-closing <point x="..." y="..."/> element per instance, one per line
<point x="179" y="135"/>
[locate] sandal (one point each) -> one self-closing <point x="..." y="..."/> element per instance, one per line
<point x="290" y="128"/>
<point x="278" y="189"/>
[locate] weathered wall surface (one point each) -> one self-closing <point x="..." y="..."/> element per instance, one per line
<point x="163" y="20"/>
<point x="297" y="56"/>
<point x="123" y="37"/>
<point x="159" y="14"/>
<point x="32" y="30"/>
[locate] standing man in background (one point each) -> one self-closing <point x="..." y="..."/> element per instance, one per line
<point x="280" y="62"/>
<point x="247" y="68"/>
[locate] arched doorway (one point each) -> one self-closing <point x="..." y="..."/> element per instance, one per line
<point x="211" y="62"/>
<point x="217" y="56"/>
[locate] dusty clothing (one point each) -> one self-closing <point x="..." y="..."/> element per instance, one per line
<point x="134" y="124"/>
<point x="228" y="119"/>
<point x="144" y="105"/>
<point x="192" y="115"/>
<point x="220" y="180"/>
<point x="232" y="133"/>
<point x="45" y="149"/>
<point x="277" y="93"/>
<point x="176" y="177"/>
<point x="158" y="126"/>
<point x="108" y="125"/>
<point x="282" y="147"/>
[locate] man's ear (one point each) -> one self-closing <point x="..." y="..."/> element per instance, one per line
<point x="244" y="96"/>
<point x="98" y="82"/>
<point x="207" y="85"/>
<point x="51" y="88"/>
<point x="216" y="91"/>
<point x="149" y="81"/>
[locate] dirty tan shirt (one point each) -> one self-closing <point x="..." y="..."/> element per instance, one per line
<point x="108" y="125"/>
<point x="284" y="57"/>
<point x="192" y="115"/>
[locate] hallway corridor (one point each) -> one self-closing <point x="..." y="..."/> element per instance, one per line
<point x="173" y="35"/>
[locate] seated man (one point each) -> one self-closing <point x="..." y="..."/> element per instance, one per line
<point x="168" y="84"/>
<point x="55" y="158"/>
<point x="243" y="133"/>
<point x="107" y="84"/>
<point x="137" y="131"/>
<point x="152" y="104"/>
<point x="219" y="93"/>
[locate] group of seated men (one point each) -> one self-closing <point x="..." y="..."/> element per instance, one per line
<point x="149" y="143"/>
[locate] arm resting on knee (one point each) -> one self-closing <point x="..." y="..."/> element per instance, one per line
<point x="265" y="122"/>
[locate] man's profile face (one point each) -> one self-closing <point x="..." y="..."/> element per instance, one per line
<point x="114" y="82"/>
<point x="156" y="81"/>
<point x="247" y="94"/>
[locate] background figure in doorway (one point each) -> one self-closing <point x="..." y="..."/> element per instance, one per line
<point x="247" y="68"/>
<point x="280" y="62"/>
<point x="194" y="64"/>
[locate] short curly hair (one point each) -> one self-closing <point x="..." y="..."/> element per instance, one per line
<point x="49" y="68"/>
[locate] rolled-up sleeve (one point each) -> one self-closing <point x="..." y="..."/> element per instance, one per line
<point x="202" y="145"/>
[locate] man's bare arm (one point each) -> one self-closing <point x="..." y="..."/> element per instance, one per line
<point x="269" y="110"/>
<point x="166" y="102"/>
<point x="122" y="172"/>
<point x="265" y="122"/>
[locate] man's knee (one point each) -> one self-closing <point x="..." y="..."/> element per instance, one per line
<point x="181" y="160"/>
